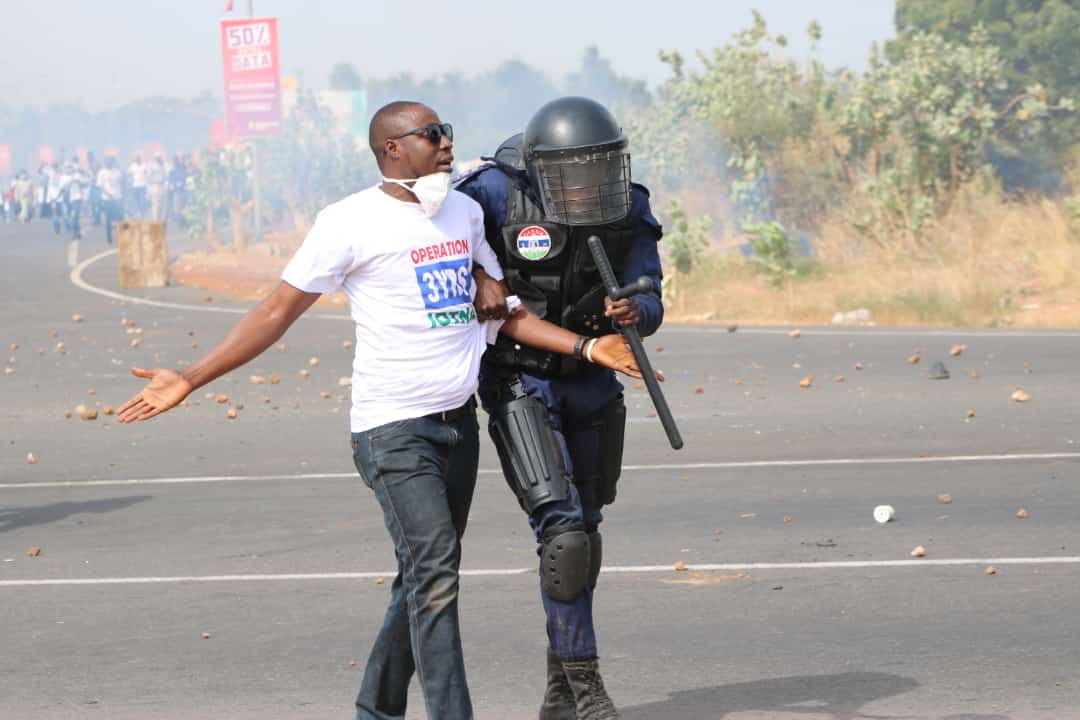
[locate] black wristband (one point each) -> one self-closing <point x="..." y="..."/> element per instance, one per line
<point x="579" y="346"/>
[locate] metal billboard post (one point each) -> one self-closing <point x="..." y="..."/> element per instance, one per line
<point x="257" y="195"/>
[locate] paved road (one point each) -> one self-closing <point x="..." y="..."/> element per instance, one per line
<point x="256" y="531"/>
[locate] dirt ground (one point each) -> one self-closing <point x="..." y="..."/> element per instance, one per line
<point x="244" y="277"/>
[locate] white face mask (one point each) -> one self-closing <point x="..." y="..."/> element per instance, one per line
<point x="430" y="190"/>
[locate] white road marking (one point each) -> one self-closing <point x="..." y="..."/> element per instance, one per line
<point x="733" y="465"/>
<point x="502" y="572"/>
<point x="874" y="331"/>
<point x="77" y="280"/>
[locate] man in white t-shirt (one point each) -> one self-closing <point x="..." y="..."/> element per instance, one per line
<point x="155" y="187"/>
<point x="76" y="193"/>
<point x="110" y="180"/>
<point x="55" y="183"/>
<point x="404" y="252"/>
<point x="137" y="180"/>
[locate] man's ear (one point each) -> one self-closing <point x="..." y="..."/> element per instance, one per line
<point x="391" y="150"/>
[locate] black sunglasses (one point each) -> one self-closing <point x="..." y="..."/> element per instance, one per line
<point x="432" y="131"/>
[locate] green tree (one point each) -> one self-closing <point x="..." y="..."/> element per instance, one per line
<point x="917" y="128"/>
<point x="343" y="76"/>
<point x="686" y="243"/>
<point x="1039" y="43"/>
<point x="773" y="253"/>
<point x="758" y="101"/>
<point x="598" y="80"/>
<point x="219" y="192"/>
<point x="311" y="164"/>
<point x="1039" y="40"/>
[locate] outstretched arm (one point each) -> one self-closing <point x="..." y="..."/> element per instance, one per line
<point x="260" y="328"/>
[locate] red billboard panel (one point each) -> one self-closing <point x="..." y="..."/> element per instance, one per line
<point x="249" y="51"/>
<point x="219" y="135"/>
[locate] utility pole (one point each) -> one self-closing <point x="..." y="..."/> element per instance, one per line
<point x="257" y="194"/>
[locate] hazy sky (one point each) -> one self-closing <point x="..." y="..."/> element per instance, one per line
<point x="106" y="52"/>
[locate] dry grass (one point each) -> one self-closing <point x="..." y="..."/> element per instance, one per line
<point x="994" y="264"/>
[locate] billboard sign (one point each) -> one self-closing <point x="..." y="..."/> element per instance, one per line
<point x="249" y="50"/>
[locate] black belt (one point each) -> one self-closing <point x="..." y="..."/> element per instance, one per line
<point x="455" y="414"/>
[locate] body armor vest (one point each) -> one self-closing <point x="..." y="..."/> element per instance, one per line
<point x="549" y="267"/>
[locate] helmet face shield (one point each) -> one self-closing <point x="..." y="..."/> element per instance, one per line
<point x="585" y="187"/>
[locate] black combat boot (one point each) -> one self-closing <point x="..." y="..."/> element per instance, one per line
<point x="590" y="697"/>
<point x="558" y="698"/>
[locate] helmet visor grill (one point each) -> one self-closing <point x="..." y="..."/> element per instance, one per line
<point x="586" y="189"/>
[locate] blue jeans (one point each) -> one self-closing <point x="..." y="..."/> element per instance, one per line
<point x="423" y="473"/>
<point x="59" y="215"/>
<point x="74" y="208"/>
<point x="114" y="213"/>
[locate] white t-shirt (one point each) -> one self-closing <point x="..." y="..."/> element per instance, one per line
<point x="111" y="183"/>
<point x="409" y="282"/>
<point x="52" y="191"/>
<point x="137" y="172"/>
<point x="155" y="176"/>
<point x="76" y="186"/>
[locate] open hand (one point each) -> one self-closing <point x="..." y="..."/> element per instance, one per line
<point x="611" y="351"/>
<point x="166" y="390"/>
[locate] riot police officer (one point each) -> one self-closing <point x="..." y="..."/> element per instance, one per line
<point x="557" y="423"/>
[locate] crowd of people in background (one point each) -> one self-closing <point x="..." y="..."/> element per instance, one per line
<point x="66" y="193"/>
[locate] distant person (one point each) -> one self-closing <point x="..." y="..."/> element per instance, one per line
<point x="54" y="195"/>
<point x="9" y="202"/>
<point x="45" y="179"/>
<point x="24" y="195"/>
<point x="155" y="187"/>
<point x="41" y="187"/>
<point x="93" y="192"/>
<point x="111" y="181"/>
<point x="178" y="188"/>
<point x="78" y="188"/>
<point x="137" y="183"/>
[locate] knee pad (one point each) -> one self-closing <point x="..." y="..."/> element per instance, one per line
<point x="564" y="563"/>
<point x="596" y="556"/>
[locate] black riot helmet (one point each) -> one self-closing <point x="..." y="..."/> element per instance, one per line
<point x="577" y="156"/>
<point x="509" y="152"/>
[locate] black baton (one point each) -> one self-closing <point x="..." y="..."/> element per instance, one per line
<point x="633" y="338"/>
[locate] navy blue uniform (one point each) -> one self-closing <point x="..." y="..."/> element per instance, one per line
<point x="572" y="401"/>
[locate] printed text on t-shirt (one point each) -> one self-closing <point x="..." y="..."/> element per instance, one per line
<point x="442" y="250"/>
<point x="444" y="283"/>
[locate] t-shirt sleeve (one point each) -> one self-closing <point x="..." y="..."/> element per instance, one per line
<point x="482" y="253"/>
<point x="323" y="260"/>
